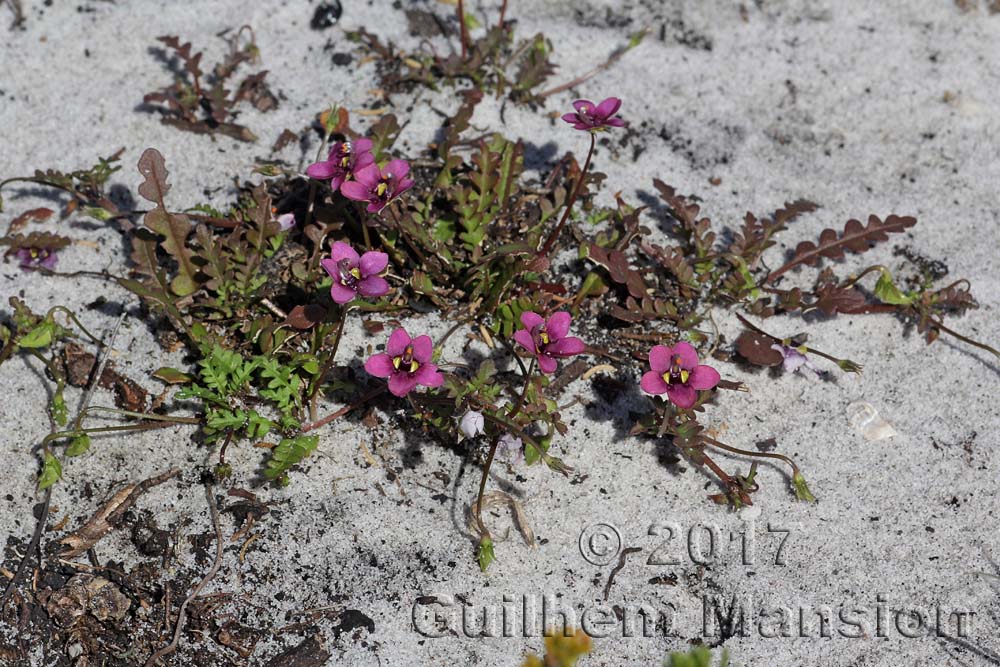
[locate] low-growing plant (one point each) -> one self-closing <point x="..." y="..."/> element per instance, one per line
<point x="260" y="294"/>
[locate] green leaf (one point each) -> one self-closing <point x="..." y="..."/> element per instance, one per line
<point x="887" y="292"/>
<point x="51" y="472"/>
<point x="802" y="491"/>
<point x="78" y="445"/>
<point x="288" y="453"/>
<point x="484" y="553"/>
<point x="171" y="375"/>
<point x="40" y="336"/>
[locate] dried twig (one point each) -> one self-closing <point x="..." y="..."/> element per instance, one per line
<point x="182" y="614"/>
<point x="108" y="516"/>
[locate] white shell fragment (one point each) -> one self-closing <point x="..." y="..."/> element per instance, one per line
<point x="866" y="420"/>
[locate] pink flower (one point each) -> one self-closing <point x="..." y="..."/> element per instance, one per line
<point x="677" y="374"/>
<point x="345" y="158"/>
<point x="353" y="275"/>
<point x="589" y="116"/>
<point x="407" y="363"/>
<point x="377" y="186"/>
<point x="31" y="258"/>
<point x="547" y="340"/>
<point x="286" y="221"/>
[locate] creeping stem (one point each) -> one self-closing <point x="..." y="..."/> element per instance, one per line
<point x="484" y="532"/>
<point x="572" y="200"/>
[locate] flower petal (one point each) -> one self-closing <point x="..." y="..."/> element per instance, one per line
<point x="523" y="338"/>
<point x="429" y="376"/>
<point x="341" y="250"/>
<point x="376" y="206"/>
<point x="423" y="349"/>
<point x="653" y="383"/>
<point x="373" y="286"/>
<point x="373" y="263"/>
<point x="531" y="320"/>
<point x="367" y="175"/>
<point x="362" y="145"/>
<point x="615" y="122"/>
<point x="361" y="161"/>
<point x="341" y="293"/>
<point x="321" y="171"/>
<point x="571" y="118"/>
<point x="703" y="377"/>
<point x="681" y="395"/>
<point x="397" y="168"/>
<point x="397" y="342"/>
<point x="608" y="107"/>
<point x="659" y="359"/>
<point x="547" y="364"/>
<point x="584" y="106"/>
<point x="401" y="384"/>
<point x="688" y="355"/>
<point x="558" y="325"/>
<point x="379" y="365"/>
<point x="355" y="190"/>
<point x="565" y="347"/>
<point x="403" y="186"/>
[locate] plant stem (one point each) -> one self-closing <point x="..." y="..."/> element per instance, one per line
<point x="503" y="14"/>
<point x="982" y="346"/>
<point x="572" y="200"/>
<point x="318" y="383"/>
<point x="463" y="30"/>
<point x="344" y="410"/>
<point x="744" y="452"/>
<point x="493" y="450"/>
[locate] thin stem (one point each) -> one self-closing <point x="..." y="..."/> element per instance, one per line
<point x="572" y="200"/>
<point x="612" y="59"/>
<point x="463" y="30"/>
<point x="744" y="452"/>
<point x="344" y="410"/>
<point x="182" y="613"/>
<point x="483" y="530"/>
<point x="152" y="416"/>
<point x="493" y="450"/>
<point x="982" y="346"/>
<point x="318" y="382"/>
<point x="503" y="14"/>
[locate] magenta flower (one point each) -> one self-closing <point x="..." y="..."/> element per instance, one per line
<point x="353" y="275"/>
<point x="677" y="374"/>
<point x="345" y="158"/>
<point x="377" y="186"/>
<point x="406" y="362"/>
<point x="589" y="116"/>
<point x="547" y="340"/>
<point x="31" y="258"/>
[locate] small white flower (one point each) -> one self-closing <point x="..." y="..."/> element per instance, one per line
<point x="286" y="221"/>
<point x="472" y="424"/>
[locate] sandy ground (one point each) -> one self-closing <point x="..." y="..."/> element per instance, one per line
<point x="862" y="107"/>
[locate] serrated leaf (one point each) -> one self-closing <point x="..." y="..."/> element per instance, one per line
<point x="856" y="238"/>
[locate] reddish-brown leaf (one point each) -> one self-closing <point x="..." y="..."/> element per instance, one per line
<point x="856" y="237"/>
<point x="756" y="348"/>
